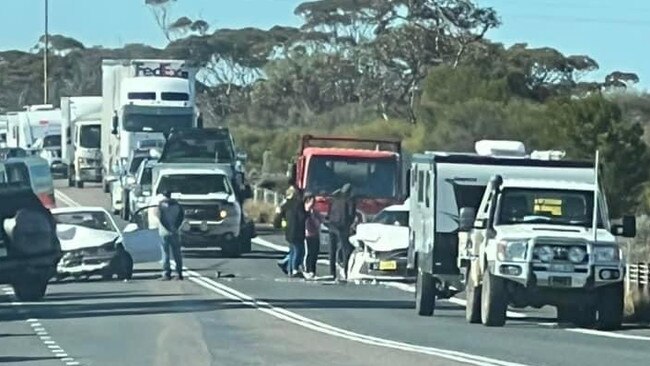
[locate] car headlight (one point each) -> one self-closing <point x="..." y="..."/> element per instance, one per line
<point x="512" y="250"/>
<point x="606" y="253"/>
<point x="544" y="253"/>
<point x="576" y="254"/>
<point x="223" y="214"/>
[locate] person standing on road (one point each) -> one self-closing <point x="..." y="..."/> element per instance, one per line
<point x="295" y="233"/>
<point x="312" y="231"/>
<point x="170" y="216"/>
<point x="341" y="217"/>
<point x="284" y="262"/>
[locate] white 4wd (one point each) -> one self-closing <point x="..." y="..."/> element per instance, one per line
<point x="531" y="243"/>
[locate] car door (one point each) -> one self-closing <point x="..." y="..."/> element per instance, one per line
<point x="141" y="239"/>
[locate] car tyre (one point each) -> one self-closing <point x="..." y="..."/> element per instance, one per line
<point x="122" y="265"/>
<point x="493" y="300"/>
<point x="473" y="297"/>
<point x="30" y="287"/>
<point x="610" y="305"/>
<point x="425" y="293"/>
<point x="105" y="187"/>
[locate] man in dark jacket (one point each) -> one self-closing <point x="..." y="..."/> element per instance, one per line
<point x="295" y="232"/>
<point x="341" y="217"/>
<point x="171" y="216"/>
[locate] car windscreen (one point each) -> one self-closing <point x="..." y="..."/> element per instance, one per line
<point x="546" y="206"/>
<point x="194" y="184"/>
<point x="398" y="218"/>
<point x="90" y="136"/>
<point x="189" y="150"/>
<point x="90" y="219"/>
<point x="369" y="177"/>
<point x="52" y="141"/>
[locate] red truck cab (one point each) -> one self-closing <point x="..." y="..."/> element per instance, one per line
<point x="324" y="164"/>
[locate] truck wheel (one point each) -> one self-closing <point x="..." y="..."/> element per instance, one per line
<point x="30" y="288"/>
<point x="231" y="251"/>
<point x="126" y="214"/>
<point x="425" y="293"/>
<point x="105" y="187"/>
<point x="79" y="184"/>
<point x="493" y="300"/>
<point x="70" y="178"/>
<point x="610" y="307"/>
<point x="473" y="298"/>
<point x="122" y="265"/>
<point x="246" y="244"/>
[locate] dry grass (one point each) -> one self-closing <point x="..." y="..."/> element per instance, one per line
<point x="260" y="212"/>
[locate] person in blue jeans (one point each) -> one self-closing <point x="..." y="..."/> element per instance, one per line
<point x="295" y="234"/>
<point x="170" y="216"/>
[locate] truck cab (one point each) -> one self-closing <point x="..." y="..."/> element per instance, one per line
<point x="534" y="243"/>
<point x="81" y="139"/>
<point x="373" y="167"/>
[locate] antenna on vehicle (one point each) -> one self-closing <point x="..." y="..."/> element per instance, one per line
<point x="594" y="223"/>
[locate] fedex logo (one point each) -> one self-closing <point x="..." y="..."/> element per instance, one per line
<point x="163" y="69"/>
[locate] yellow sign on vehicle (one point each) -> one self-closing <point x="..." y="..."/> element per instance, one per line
<point x="387" y="265"/>
<point x="549" y="206"/>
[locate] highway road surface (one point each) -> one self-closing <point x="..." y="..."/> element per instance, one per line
<point x="245" y="312"/>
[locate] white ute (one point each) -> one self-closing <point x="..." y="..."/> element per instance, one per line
<point x="381" y="246"/>
<point x="531" y="243"/>
<point x="212" y="212"/>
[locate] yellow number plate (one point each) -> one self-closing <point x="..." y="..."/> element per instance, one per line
<point x="387" y="265"/>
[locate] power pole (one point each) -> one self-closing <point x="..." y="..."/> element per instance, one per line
<point x="45" y="54"/>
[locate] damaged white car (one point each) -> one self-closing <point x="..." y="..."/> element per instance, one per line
<point x="381" y="246"/>
<point x="92" y="244"/>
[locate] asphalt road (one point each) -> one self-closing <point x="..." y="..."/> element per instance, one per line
<point x="245" y="312"/>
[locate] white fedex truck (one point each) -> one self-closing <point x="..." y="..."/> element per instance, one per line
<point x="143" y="100"/>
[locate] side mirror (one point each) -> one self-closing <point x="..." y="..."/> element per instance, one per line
<point x="467" y="218"/>
<point x="115" y="121"/>
<point x="627" y="229"/>
<point x="130" y="227"/>
<point x="292" y="172"/>
<point x="247" y="192"/>
<point x="242" y="156"/>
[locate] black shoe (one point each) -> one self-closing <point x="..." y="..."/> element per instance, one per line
<point x="165" y="278"/>
<point x="180" y="277"/>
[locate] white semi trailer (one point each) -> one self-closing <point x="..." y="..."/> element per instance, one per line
<point x="143" y="100"/>
<point x="81" y="139"/>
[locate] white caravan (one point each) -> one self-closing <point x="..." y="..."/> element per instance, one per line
<point x="143" y="100"/>
<point x="35" y="122"/>
<point x="443" y="183"/>
<point x="81" y="139"/>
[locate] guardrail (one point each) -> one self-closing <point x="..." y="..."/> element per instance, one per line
<point x="637" y="291"/>
<point x="267" y="196"/>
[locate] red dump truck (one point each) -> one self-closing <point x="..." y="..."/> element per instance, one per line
<point x="373" y="167"/>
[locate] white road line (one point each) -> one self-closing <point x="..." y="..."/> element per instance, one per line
<point x="49" y="342"/>
<point x="54" y="346"/>
<point x="321" y="327"/>
<point x="601" y="333"/>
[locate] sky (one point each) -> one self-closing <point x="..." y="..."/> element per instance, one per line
<point x="614" y="33"/>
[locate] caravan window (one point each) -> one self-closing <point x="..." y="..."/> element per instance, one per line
<point x="468" y="195"/>
<point x="428" y="190"/>
<point x="174" y="96"/>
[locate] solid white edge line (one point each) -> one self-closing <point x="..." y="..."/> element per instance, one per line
<point x="321" y="327"/>
<point x="601" y="333"/>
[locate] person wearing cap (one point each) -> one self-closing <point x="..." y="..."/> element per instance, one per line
<point x="170" y="217"/>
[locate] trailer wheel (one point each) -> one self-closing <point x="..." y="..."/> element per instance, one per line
<point x="105" y="187"/>
<point x="425" y="293"/>
<point x="610" y="307"/>
<point x="493" y="300"/>
<point x="473" y="298"/>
